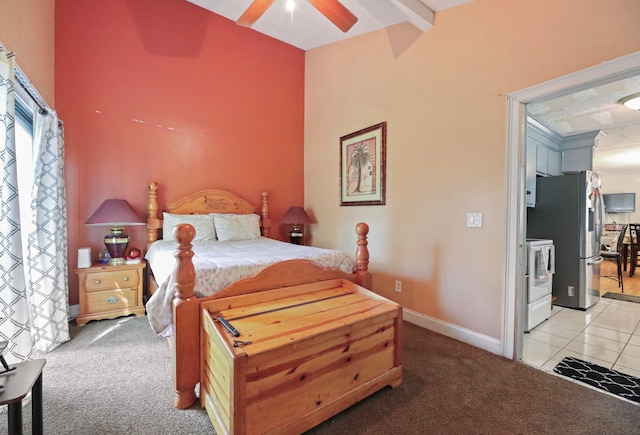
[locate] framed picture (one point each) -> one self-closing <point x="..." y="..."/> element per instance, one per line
<point x="362" y="166"/>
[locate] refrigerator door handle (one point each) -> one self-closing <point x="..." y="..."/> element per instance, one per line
<point x="601" y="212"/>
<point x="597" y="260"/>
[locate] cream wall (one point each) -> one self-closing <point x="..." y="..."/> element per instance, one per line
<point x="27" y="28"/>
<point x="443" y="96"/>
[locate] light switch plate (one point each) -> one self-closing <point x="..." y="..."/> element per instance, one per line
<point x="474" y="220"/>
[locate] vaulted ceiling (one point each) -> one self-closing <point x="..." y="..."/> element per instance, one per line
<point x="307" y="28"/>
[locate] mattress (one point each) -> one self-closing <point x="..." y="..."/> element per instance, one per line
<point x="219" y="264"/>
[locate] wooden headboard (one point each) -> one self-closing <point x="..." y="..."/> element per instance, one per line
<point x="202" y="202"/>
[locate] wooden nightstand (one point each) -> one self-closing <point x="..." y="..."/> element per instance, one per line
<point x="107" y="292"/>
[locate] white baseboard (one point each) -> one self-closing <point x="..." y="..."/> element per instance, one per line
<point x="74" y="311"/>
<point x="450" y="330"/>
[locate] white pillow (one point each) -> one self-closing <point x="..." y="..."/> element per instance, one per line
<point x="236" y="226"/>
<point x="205" y="230"/>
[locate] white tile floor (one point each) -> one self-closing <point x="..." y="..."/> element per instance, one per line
<point x="607" y="334"/>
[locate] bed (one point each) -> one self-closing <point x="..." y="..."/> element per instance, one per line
<point x="180" y="287"/>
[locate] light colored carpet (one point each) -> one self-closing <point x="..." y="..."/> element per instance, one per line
<point x="114" y="377"/>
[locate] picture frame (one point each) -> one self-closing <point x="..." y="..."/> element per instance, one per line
<point x="363" y="166"/>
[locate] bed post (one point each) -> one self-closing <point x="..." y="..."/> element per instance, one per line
<point x="153" y="223"/>
<point x="264" y="213"/>
<point x="362" y="257"/>
<point x="186" y="319"/>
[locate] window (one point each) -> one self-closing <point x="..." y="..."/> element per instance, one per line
<point x="24" y="163"/>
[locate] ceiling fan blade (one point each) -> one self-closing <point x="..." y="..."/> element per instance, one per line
<point x="253" y="12"/>
<point x="336" y="12"/>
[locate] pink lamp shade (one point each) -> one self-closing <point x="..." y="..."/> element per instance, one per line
<point x="115" y="213"/>
<point x="297" y="217"/>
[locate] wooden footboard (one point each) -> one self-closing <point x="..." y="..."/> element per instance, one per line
<point x="186" y="306"/>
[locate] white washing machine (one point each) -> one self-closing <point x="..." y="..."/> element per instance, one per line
<point x="539" y="276"/>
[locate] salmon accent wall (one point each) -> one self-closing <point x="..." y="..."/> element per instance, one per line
<point x="27" y="29"/>
<point x="443" y="95"/>
<point x="165" y="90"/>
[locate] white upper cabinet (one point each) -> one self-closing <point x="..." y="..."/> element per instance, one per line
<point x="543" y="156"/>
<point x="549" y="154"/>
<point x="553" y="162"/>
<point x="547" y="159"/>
<point x="577" y="152"/>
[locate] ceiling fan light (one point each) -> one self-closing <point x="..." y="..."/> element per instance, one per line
<point x="632" y="101"/>
<point x="290" y="5"/>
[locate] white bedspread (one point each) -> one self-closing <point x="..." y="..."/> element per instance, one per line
<point x="218" y="264"/>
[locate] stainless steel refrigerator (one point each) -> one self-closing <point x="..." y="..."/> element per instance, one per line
<point x="570" y="211"/>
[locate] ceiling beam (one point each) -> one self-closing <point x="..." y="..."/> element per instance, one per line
<point x="418" y="14"/>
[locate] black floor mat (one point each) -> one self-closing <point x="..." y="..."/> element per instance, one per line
<point x="614" y="382"/>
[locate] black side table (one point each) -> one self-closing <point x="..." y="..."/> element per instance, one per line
<point x="17" y="383"/>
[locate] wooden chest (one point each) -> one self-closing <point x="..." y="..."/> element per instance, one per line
<point x="303" y="354"/>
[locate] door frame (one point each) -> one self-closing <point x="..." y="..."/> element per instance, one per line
<point x="515" y="204"/>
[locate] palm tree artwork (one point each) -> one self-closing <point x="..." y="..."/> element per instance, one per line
<point x="362" y="166"/>
<point x="360" y="163"/>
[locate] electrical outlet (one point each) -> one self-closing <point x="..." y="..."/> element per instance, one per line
<point x="474" y="220"/>
<point x="398" y="286"/>
<point x="570" y="291"/>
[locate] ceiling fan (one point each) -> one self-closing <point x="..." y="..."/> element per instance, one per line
<point x="332" y="9"/>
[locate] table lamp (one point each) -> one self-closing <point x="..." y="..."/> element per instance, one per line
<point x="115" y="213"/>
<point x="297" y="217"/>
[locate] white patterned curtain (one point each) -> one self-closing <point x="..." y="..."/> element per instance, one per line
<point x="34" y="312"/>
<point x="14" y="318"/>
<point x="47" y="243"/>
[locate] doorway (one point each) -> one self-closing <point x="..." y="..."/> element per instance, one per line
<point x="514" y="274"/>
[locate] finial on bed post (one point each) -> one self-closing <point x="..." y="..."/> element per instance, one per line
<point x="362" y="256"/>
<point x="266" y="222"/>
<point x="153" y="223"/>
<point x="186" y="340"/>
<point x="184" y="272"/>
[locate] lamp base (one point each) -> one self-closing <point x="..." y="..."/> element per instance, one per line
<point x="296" y="237"/>
<point x="119" y="261"/>
<point x="116" y="243"/>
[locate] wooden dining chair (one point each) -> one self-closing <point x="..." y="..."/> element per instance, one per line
<point x="634" y="248"/>
<point x="616" y="257"/>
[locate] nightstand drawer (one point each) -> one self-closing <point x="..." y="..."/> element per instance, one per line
<point x="109" y="280"/>
<point x="111" y="300"/>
